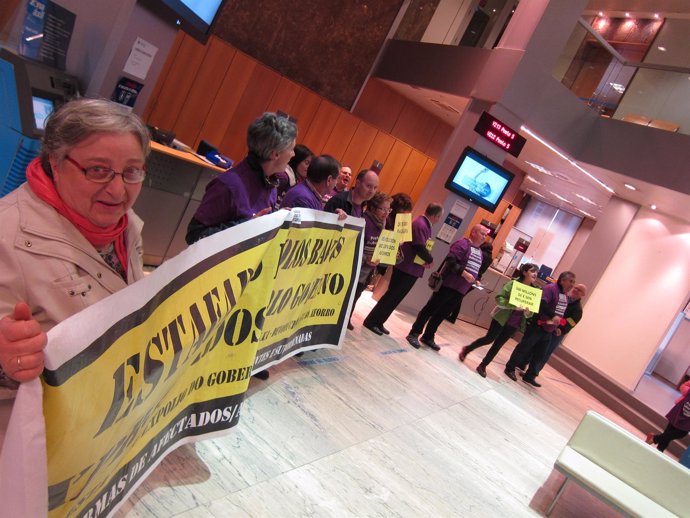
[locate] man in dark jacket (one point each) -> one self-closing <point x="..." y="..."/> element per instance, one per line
<point x="366" y="185"/>
<point x="406" y="273"/>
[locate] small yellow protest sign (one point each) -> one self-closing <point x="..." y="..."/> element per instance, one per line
<point x="429" y="246"/>
<point x="386" y="248"/>
<point x="524" y="296"/>
<point x="403" y="227"/>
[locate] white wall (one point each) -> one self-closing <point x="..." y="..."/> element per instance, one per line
<point x="637" y="298"/>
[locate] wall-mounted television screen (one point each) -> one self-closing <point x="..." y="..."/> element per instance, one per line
<point x="479" y="179"/>
<point x="195" y="17"/>
<point x="42" y="108"/>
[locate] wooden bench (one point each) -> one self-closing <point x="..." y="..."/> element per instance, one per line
<point x="620" y="469"/>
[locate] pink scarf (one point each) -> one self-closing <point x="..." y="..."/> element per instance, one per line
<point x="42" y="185"/>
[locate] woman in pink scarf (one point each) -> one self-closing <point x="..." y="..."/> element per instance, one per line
<point x="68" y="237"/>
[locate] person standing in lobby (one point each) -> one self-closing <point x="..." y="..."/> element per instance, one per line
<point x="554" y="301"/>
<point x="459" y="272"/>
<point x="366" y="185"/>
<point x="248" y="190"/>
<point x="407" y="272"/>
<point x="69" y="237"/>
<point x="321" y="175"/>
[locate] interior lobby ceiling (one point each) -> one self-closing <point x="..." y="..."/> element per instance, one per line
<point x="553" y="179"/>
<point x="665" y="8"/>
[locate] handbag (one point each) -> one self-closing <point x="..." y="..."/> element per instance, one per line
<point x="435" y="280"/>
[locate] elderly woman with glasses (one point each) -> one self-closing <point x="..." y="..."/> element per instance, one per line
<point x="69" y="237"/>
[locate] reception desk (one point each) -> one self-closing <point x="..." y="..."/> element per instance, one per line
<point x="174" y="185"/>
<point x="477" y="305"/>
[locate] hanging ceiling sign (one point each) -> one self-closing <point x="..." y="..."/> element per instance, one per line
<point x="500" y="134"/>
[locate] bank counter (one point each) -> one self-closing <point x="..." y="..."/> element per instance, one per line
<point x="172" y="191"/>
<point x="477" y="304"/>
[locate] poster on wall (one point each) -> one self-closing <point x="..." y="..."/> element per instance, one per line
<point x="126" y="92"/>
<point x="47" y="33"/>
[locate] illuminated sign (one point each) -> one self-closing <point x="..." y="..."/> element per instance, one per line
<point x="503" y="136"/>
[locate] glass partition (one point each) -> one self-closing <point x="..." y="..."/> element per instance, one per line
<point x="633" y="70"/>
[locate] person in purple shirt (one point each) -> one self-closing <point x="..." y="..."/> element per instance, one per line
<point x="366" y="185"/>
<point x="460" y="272"/>
<point x="322" y="174"/>
<point x="406" y="273"/>
<point x="295" y="172"/>
<point x="554" y="301"/>
<point x="248" y="190"/>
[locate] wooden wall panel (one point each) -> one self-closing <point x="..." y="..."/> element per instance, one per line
<point x="358" y="147"/>
<point x="415" y="126"/>
<point x="178" y="82"/>
<point x="196" y="108"/>
<point x="213" y="92"/>
<point x="379" y="150"/>
<point x="162" y="77"/>
<point x="316" y="136"/>
<point x="256" y="96"/>
<point x="379" y="105"/>
<point x="226" y="101"/>
<point x="410" y="172"/>
<point x="284" y="97"/>
<point x="422" y="180"/>
<point x="304" y="110"/>
<point x="342" y="134"/>
<point x="394" y="164"/>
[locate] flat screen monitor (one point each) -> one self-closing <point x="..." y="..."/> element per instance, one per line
<point x="195" y="17"/>
<point x="42" y="108"/>
<point x="479" y="179"/>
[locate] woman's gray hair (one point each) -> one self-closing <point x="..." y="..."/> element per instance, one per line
<point x="268" y="133"/>
<point x="76" y="120"/>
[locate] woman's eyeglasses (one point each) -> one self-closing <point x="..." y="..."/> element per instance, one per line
<point x="382" y="209"/>
<point x="101" y="174"/>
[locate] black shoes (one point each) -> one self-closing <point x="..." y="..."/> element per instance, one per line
<point x="350" y="327"/>
<point x="463" y="354"/>
<point x="429" y="342"/>
<point x="530" y="381"/>
<point x="374" y="328"/>
<point x="511" y="374"/>
<point x="385" y="331"/>
<point x="263" y="375"/>
<point x="481" y="370"/>
<point x="412" y="340"/>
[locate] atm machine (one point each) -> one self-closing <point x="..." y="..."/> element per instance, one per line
<point x="29" y="91"/>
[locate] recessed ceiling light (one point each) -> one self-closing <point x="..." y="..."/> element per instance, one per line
<point x="656" y="15"/>
<point x="564" y="200"/>
<point x="662" y="49"/>
<point x="533" y="180"/>
<point x="631" y="187"/>
<point x="627" y="15"/>
<point x="586" y="200"/>
<point x="653" y="207"/>
<point x="601" y="14"/>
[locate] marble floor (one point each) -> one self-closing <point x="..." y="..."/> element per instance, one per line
<point x="379" y="429"/>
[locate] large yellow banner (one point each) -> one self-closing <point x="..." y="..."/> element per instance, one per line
<point x="175" y="364"/>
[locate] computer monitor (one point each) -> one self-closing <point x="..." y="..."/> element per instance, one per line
<point x="42" y="108"/>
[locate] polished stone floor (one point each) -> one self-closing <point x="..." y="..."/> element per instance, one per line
<point x="379" y="429"/>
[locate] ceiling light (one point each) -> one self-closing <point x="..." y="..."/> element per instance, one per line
<point x="601" y="14"/>
<point x="585" y="213"/>
<point x="533" y="180"/>
<point x="587" y="200"/>
<point x="662" y="49"/>
<point x="539" y="168"/>
<point x="631" y="187"/>
<point x="535" y="193"/>
<point x="656" y="15"/>
<point x="653" y="207"/>
<point x="572" y="162"/>
<point x="627" y="15"/>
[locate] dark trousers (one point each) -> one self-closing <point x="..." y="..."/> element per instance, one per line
<point x="531" y="349"/>
<point x="663" y="439"/>
<point x="497" y="334"/>
<point x="400" y="285"/>
<point x="359" y="289"/>
<point x="553" y="345"/>
<point x="434" y="311"/>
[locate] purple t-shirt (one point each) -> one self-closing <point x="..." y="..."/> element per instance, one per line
<point x="235" y="196"/>
<point x="301" y="196"/>
<point x="467" y="256"/>
<point x="421" y="232"/>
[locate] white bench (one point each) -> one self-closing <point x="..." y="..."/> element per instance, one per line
<point x="619" y="468"/>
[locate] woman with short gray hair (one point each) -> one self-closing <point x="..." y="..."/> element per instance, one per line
<point x="248" y="190"/>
